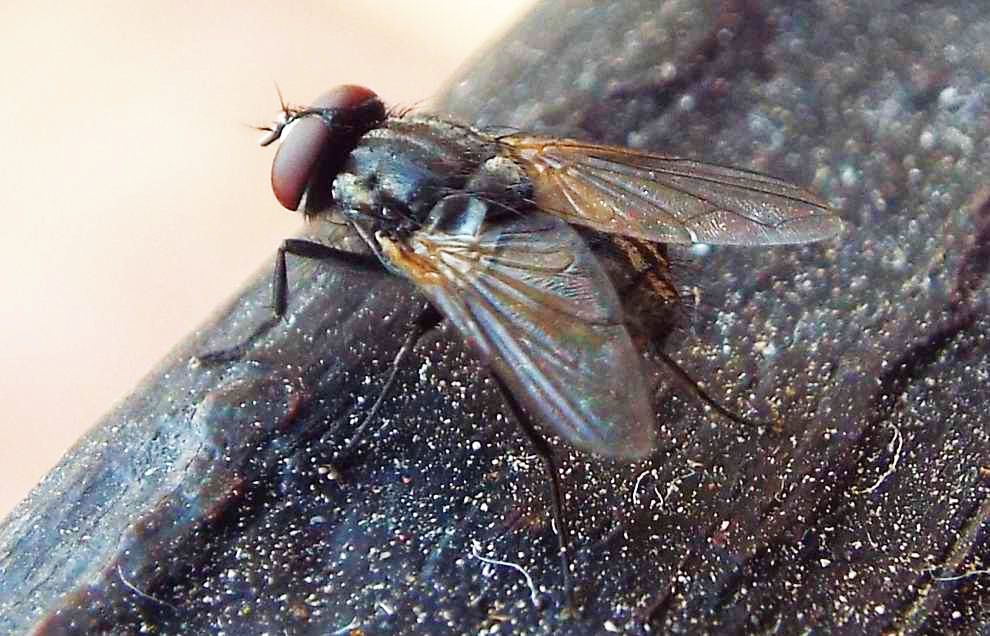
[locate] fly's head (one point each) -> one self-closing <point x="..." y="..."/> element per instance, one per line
<point x="316" y="143"/>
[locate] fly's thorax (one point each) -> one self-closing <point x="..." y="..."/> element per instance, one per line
<point x="503" y="183"/>
<point x="400" y="170"/>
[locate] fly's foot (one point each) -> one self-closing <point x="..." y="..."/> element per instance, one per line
<point x="236" y="352"/>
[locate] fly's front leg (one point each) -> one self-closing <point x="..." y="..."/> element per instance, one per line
<point x="303" y="249"/>
<point x="314" y="251"/>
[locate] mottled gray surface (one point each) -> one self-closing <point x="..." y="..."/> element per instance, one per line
<point x="207" y="502"/>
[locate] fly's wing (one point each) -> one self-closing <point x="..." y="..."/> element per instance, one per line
<point x="667" y="199"/>
<point x="532" y="299"/>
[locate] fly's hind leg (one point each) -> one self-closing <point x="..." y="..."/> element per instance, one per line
<point x="556" y="497"/>
<point x="689" y="383"/>
<point x="303" y="249"/>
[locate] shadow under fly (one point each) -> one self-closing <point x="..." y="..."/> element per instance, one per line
<point x="482" y="224"/>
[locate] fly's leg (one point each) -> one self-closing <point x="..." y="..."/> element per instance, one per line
<point x="313" y="251"/>
<point x="303" y="249"/>
<point x="556" y="498"/>
<point x="426" y="321"/>
<point x="686" y="380"/>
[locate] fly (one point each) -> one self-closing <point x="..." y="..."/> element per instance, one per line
<point x="484" y="226"/>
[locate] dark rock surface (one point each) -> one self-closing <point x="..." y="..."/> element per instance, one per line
<point x="208" y="501"/>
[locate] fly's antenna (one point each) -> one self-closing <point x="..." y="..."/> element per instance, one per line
<point x="281" y="99"/>
<point x="286" y="115"/>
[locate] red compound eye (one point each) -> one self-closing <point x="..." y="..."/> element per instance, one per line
<point x="328" y="129"/>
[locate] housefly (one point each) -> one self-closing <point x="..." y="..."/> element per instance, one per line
<point x="484" y="225"/>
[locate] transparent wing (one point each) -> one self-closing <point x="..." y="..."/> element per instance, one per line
<point x="667" y="199"/>
<point x="530" y="296"/>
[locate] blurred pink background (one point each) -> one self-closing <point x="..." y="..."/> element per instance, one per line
<point x="135" y="201"/>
